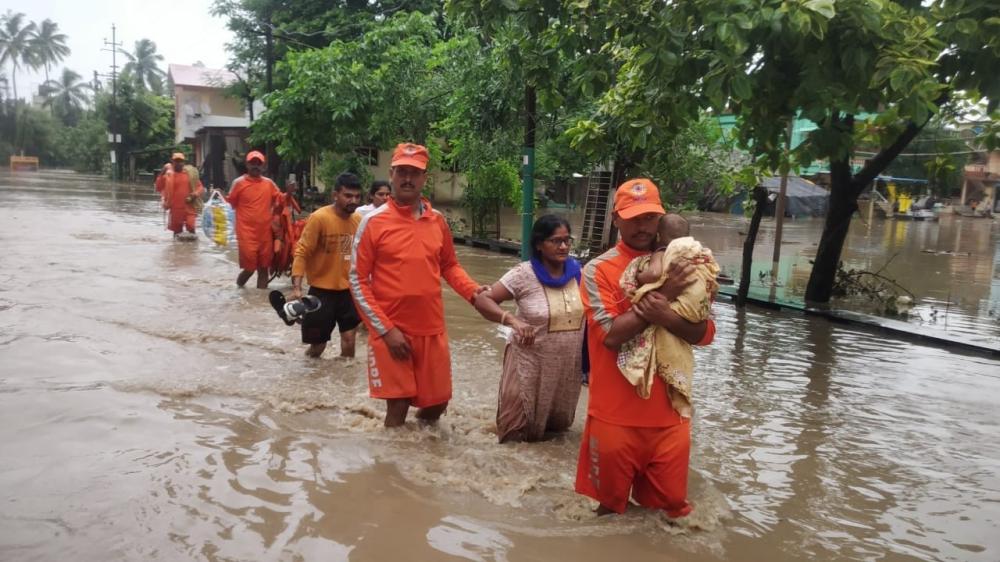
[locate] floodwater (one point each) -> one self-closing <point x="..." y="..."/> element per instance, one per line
<point x="150" y="410"/>
<point x="951" y="267"/>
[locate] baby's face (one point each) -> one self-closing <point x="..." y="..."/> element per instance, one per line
<point x="665" y="235"/>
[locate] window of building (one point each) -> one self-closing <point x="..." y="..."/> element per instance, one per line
<point x="368" y="155"/>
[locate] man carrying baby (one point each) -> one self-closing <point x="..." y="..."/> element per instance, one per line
<point x="656" y="352"/>
<point x="634" y="446"/>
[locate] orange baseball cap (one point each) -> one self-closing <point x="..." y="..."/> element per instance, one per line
<point x="178" y="156"/>
<point x="637" y="197"/>
<point x="409" y="154"/>
<point x="256" y="155"/>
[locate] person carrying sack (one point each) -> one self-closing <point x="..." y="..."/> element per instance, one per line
<point x="181" y="191"/>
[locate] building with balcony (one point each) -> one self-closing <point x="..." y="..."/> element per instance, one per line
<point x="214" y="123"/>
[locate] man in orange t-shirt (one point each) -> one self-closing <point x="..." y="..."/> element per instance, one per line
<point x="401" y="252"/>
<point x="253" y="197"/>
<point x="323" y="257"/>
<point x="179" y="195"/>
<point x="633" y="446"/>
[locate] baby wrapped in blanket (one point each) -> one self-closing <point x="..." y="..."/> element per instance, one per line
<point x="656" y="351"/>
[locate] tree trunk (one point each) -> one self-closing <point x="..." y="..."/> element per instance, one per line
<point x="760" y="198"/>
<point x="843" y="203"/>
<point x="844" y="191"/>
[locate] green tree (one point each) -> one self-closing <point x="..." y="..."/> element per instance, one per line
<point x="938" y="154"/>
<point x="145" y="121"/>
<point x="857" y="68"/>
<point x="143" y="65"/>
<point x="15" y="44"/>
<point x="66" y="96"/>
<point x="374" y="91"/>
<point x="49" y="46"/>
<point x="31" y="130"/>
<point x="489" y="187"/>
<point x="84" y="146"/>
<point x="694" y="166"/>
<point x="265" y="31"/>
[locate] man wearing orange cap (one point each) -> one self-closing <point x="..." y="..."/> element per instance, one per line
<point x="633" y="446"/>
<point x="401" y="251"/>
<point x="181" y="191"/>
<point x="253" y="197"/>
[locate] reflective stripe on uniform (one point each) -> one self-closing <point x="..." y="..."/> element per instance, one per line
<point x="601" y="315"/>
<point x="363" y="305"/>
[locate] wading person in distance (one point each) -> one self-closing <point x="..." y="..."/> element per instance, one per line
<point x="253" y="198"/>
<point x="181" y="191"/>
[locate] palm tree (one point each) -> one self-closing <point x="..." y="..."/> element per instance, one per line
<point x="143" y="66"/>
<point x="15" y="44"/>
<point x="66" y="96"/>
<point x="49" y="45"/>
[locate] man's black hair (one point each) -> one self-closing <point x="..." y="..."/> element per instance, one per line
<point x="347" y="180"/>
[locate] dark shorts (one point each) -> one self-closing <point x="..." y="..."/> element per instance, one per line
<point x="337" y="310"/>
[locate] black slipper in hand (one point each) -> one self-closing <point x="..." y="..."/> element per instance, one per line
<point x="278" y="302"/>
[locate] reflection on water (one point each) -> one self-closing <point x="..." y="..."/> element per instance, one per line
<point x="951" y="266"/>
<point x="150" y="410"/>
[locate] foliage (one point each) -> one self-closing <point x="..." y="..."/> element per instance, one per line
<point x="332" y="165"/>
<point x="312" y="24"/>
<point x="48" y="45"/>
<point x="989" y="137"/>
<point x="695" y="165"/>
<point x="938" y="158"/>
<point x="489" y="187"/>
<point x="15" y="44"/>
<point x="84" y="146"/>
<point x="143" y="67"/>
<point x="28" y="129"/>
<point x="854" y="67"/>
<point x="144" y="120"/>
<point x="66" y="96"/>
<point x="375" y="91"/>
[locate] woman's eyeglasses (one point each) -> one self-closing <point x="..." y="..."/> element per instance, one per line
<point x="561" y="241"/>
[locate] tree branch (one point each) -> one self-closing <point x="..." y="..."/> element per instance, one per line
<point x="881" y="161"/>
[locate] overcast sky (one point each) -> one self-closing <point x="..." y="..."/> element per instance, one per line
<point x="184" y="32"/>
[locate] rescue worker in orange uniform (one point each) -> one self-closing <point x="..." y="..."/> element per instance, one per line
<point x="401" y="251"/>
<point x="181" y="191"/>
<point x="633" y="446"/>
<point x="253" y="197"/>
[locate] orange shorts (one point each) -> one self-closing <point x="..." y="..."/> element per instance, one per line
<point x="650" y="463"/>
<point x="256" y="256"/>
<point x="425" y="378"/>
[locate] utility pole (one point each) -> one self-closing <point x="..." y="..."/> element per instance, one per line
<point x="272" y="164"/>
<point x="114" y="137"/>
<point x="528" y="169"/>
<point x="779" y="207"/>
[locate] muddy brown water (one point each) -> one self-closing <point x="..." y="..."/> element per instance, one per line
<point x="149" y="410"/>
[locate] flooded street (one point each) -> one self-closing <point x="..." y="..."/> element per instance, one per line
<point x="150" y="410"/>
<point x="952" y="267"/>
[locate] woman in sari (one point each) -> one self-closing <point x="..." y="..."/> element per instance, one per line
<point x="540" y="384"/>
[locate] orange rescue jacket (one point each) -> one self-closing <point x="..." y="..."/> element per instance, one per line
<point x="396" y="268"/>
